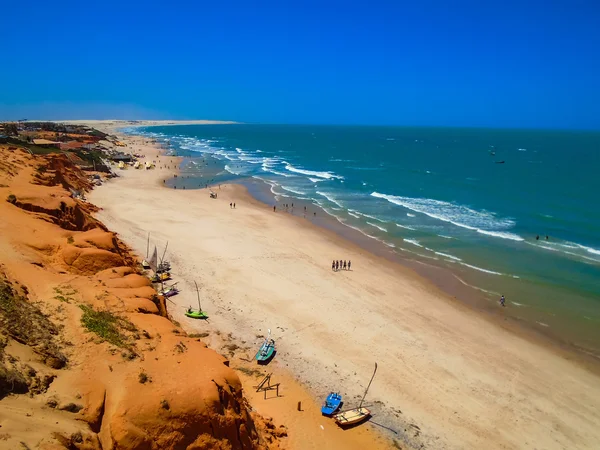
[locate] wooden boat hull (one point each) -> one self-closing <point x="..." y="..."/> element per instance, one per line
<point x="332" y="404"/>
<point x="352" y="416"/>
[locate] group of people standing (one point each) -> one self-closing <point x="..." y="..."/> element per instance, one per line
<point x="341" y="265"/>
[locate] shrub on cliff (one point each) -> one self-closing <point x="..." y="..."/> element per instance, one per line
<point x="25" y="323"/>
<point x="108" y="326"/>
<point x="11" y="199"/>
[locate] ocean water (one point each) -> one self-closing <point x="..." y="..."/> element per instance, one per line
<point x="470" y="200"/>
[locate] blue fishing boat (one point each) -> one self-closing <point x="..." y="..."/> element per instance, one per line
<point x="266" y="352"/>
<point x="332" y="404"/>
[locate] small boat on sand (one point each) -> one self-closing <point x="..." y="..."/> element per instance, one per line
<point x="352" y="416"/>
<point x="169" y="291"/>
<point x="266" y="350"/>
<point x="356" y="415"/>
<point x="158" y="277"/>
<point x="332" y="404"/>
<point x="199" y="314"/>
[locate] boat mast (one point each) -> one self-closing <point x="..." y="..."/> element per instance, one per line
<point x="198" y="292"/>
<point x="363" y="399"/>
<point x="163" y="256"/>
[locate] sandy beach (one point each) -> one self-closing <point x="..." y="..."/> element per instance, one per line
<point x="447" y="378"/>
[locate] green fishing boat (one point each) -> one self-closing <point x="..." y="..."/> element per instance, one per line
<point x="196" y="314"/>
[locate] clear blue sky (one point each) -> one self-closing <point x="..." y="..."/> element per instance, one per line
<point x="497" y="63"/>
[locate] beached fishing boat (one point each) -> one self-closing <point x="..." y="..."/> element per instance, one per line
<point x="164" y="265"/>
<point x="169" y="291"/>
<point x="266" y="351"/>
<point x="352" y="416"/>
<point x="332" y="404"/>
<point x="199" y="314"/>
<point x="355" y="415"/>
<point x="159" y="277"/>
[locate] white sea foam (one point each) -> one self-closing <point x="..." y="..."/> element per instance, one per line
<point x="500" y="234"/>
<point x="292" y="190"/>
<point x="445" y="237"/>
<point x="315" y="180"/>
<point x="455" y="258"/>
<point x="389" y="244"/>
<point x="281" y="174"/>
<point x="239" y="150"/>
<point x="235" y="171"/>
<point x="591" y="250"/>
<point x="405" y="226"/>
<point x="475" y="287"/>
<point x="368" y="216"/>
<point x="481" y="269"/>
<point x="377" y="226"/>
<point x="461" y="216"/>
<point x="413" y="242"/>
<point x="518" y="304"/>
<point x="542" y="324"/>
<point x="522" y="149"/>
<point x="330" y="197"/>
<point x="361" y="231"/>
<point x="410" y="215"/>
<point x="325" y="175"/>
<point x="354" y="215"/>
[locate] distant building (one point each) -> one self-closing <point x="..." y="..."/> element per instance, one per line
<point x="45" y="143"/>
<point x="122" y="157"/>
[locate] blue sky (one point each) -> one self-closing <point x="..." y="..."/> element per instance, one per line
<point x="501" y="64"/>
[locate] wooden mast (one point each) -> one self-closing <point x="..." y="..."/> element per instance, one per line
<point x="363" y="399"/>
<point x="198" y="292"/>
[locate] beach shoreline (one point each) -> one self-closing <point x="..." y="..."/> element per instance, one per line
<point x="445" y="279"/>
<point x="437" y="304"/>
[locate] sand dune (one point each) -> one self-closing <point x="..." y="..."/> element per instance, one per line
<point x="447" y="377"/>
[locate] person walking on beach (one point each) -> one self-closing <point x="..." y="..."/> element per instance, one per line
<point x="333" y="265"/>
<point x="337" y="265"/>
<point x="234" y="206"/>
<point x="502" y="301"/>
<point x="349" y="264"/>
<point x="230" y="205"/>
<point x="345" y="265"/>
<point x="274" y="208"/>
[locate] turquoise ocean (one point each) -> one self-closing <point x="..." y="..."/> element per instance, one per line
<point x="473" y="201"/>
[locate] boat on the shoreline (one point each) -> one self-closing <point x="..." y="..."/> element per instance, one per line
<point x="356" y="415"/>
<point x="169" y="291"/>
<point x="196" y="314"/>
<point x="266" y="352"/>
<point x="332" y="404"/>
<point x="352" y="416"/>
<point x="159" y="277"/>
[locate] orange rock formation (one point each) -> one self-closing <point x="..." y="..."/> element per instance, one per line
<point x="88" y="358"/>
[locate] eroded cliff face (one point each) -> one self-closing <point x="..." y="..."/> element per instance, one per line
<point x="88" y="359"/>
